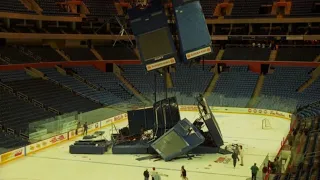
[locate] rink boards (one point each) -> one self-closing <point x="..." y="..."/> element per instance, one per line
<point x="32" y="148"/>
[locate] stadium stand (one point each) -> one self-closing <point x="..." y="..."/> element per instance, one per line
<point x="46" y="53"/>
<point x="280" y="88"/>
<point x="303" y="8"/>
<point x="116" y="53"/>
<point x="14" y="6"/>
<point x="7" y="76"/>
<point x="103" y="97"/>
<point x="208" y="7"/>
<point x="79" y="54"/>
<point x="14" y="55"/>
<point x="50" y="7"/>
<point x="143" y="81"/>
<point x="234" y="88"/>
<point x="244" y="8"/>
<point x="46" y="92"/>
<point x="51" y="95"/>
<point x="17" y="114"/>
<point x="304" y="53"/>
<point x="190" y="81"/>
<point x="101" y="8"/>
<point x="232" y="52"/>
<point x="9" y="142"/>
<point x="107" y="81"/>
<point x="310" y="94"/>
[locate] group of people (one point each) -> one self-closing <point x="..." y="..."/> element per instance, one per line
<point x="275" y="166"/>
<point x="157" y="176"/>
<point x="85" y="128"/>
<point x="238" y="151"/>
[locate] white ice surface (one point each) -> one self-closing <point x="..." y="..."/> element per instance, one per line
<point x="56" y="163"/>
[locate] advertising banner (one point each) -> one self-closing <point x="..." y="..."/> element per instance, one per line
<point x="269" y="113"/>
<point x="94" y="126"/>
<point x="106" y="122"/>
<point x="46" y="143"/>
<point x="12" y="155"/>
<point x="120" y="117"/>
<point x="73" y="133"/>
<point x="188" y="108"/>
<point x="253" y="111"/>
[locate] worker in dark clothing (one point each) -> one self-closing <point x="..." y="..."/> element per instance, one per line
<point x="146" y="174"/>
<point x="78" y="127"/>
<point x="183" y="173"/>
<point x="254" y="171"/>
<point x="235" y="158"/>
<point x="85" y="128"/>
<point x="264" y="171"/>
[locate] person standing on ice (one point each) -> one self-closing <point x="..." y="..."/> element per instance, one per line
<point x="254" y="171"/>
<point x="155" y="175"/>
<point x="85" y="128"/>
<point x="146" y="174"/>
<point x="78" y="127"/>
<point x="235" y="158"/>
<point x="183" y="173"/>
<point x="241" y="155"/>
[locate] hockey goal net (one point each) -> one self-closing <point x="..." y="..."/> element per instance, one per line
<point x="266" y="124"/>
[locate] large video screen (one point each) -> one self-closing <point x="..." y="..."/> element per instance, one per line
<point x="170" y="144"/>
<point x="192" y="26"/>
<point x="154" y="44"/>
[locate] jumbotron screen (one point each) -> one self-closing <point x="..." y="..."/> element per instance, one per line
<point x="170" y="144"/>
<point x="154" y="44"/>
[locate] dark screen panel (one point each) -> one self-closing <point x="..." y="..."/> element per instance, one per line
<point x="169" y="144"/>
<point x="191" y="23"/>
<point x="155" y="44"/>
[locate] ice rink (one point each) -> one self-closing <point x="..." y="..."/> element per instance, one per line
<point x="55" y="163"/>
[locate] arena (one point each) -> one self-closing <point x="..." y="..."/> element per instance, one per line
<point x="72" y="67"/>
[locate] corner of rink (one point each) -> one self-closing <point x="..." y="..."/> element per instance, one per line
<point x="241" y="129"/>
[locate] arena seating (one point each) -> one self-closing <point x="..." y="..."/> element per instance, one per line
<point x="246" y="53"/>
<point x="144" y="81"/>
<point x="116" y="53"/>
<point x="208" y="7"/>
<point x="46" y="53"/>
<point x="46" y="92"/>
<point x="14" y="6"/>
<point x="281" y="86"/>
<point x="14" y="55"/>
<point x="310" y="94"/>
<point x="234" y="88"/>
<point x="304" y="53"/>
<point x="302" y="8"/>
<point x="100" y="8"/>
<point x="17" y="114"/>
<point x="246" y="8"/>
<point x="7" y="76"/>
<point x="51" y="95"/>
<point x="105" y="80"/>
<point x="79" y="54"/>
<point x="9" y="142"/>
<point x="104" y="97"/>
<point x="50" y="8"/>
<point x="190" y="81"/>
